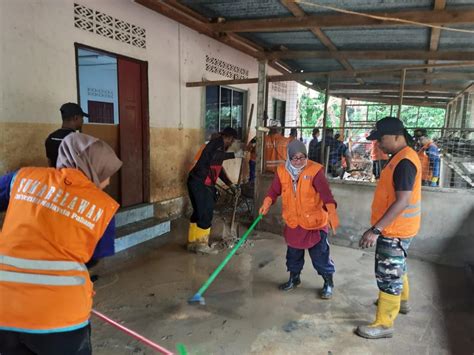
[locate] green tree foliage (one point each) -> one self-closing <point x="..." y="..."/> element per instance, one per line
<point x="311" y="107"/>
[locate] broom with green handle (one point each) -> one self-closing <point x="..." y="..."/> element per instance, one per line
<point x="198" y="298"/>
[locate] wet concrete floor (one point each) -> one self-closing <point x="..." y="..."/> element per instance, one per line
<point x="146" y="289"/>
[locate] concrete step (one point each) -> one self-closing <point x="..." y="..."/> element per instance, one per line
<point x="138" y="232"/>
<point x="129" y="215"/>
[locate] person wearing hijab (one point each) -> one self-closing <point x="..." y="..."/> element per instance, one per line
<point x="308" y="210"/>
<point x="54" y="220"/>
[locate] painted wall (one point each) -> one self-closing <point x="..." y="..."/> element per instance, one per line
<point x="287" y="91"/>
<point x="38" y="74"/>
<point x="447" y="229"/>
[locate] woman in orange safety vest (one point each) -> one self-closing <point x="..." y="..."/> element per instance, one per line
<point x="308" y="209"/>
<point x="54" y="220"/>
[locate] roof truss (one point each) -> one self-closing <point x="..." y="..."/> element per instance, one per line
<point x="364" y="81"/>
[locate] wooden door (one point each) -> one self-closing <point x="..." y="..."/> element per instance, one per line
<point x="131" y="132"/>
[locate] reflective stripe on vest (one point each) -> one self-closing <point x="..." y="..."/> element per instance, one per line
<point x="417" y="210"/>
<point x="45" y="265"/>
<point x="275" y="162"/>
<point x="20" y="277"/>
<point x="42" y="264"/>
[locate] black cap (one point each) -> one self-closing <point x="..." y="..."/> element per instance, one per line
<point x="387" y="126"/>
<point x="71" y="109"/>
<point x="229" y="132"/>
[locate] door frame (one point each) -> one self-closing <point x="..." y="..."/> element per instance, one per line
<point x="144" y="108"/>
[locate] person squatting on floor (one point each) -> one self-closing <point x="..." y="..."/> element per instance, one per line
<point x="396" y="217"/>
<point x="308" y="208"/>
<point x="54" y="221"/>
<point x="202" y="191"/>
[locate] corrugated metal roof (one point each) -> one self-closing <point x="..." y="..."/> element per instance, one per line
<point x="301" y="40"/>
<point x="365" y="5"/>
<point x="450" y="40"/>
<point x="379" y="38"/>
<point x="282" y="37"/>
<point x="309" y="65"/>
<point x="365" y="64"/>
<point x="457" y="3"/>
<point x="238" y="10"/>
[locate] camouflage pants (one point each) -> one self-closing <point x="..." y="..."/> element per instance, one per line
<point x="390" y="263"/>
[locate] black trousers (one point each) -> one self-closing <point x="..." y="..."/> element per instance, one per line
<point x="202" y="199"/>
<point x="76" y="342"/>
<point x="319" y="254"/>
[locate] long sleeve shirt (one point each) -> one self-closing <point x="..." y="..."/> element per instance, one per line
<point x="299" y="237"/>
<point x="209" y="165"/>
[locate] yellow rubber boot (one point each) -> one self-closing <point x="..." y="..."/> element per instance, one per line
<point x="404" y="305"/>
<point x="192" y="243"/>
<point x="202" y="241"/>
<point x="387" y="310"/>
<point x="192" y="232"/>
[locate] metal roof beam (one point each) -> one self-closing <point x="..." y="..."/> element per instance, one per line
<point x="374" y="55"/>
<point x="396" y="101"/>
<point x="396" y="97"/>
<point x="440" y="96"/>
<point x="197" y="22"/>
<point x="298" y="12"/>
<point x="332" y="74"/>
<point x="383" y="87"/>
<point x="435" y="35"/>
<point x="421" y="75"/>
<point x="435" y="17"/>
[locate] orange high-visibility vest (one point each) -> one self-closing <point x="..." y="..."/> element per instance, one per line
<point x="304" y="206"/>
<point x="426" y="168"/>
<point x="407" y="224"/>
<point x="275" y="151"/>
<point x="53" y="222"/>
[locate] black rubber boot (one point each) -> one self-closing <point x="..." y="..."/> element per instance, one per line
<point x="292" y="283"/>
<point x="326" y="292"/>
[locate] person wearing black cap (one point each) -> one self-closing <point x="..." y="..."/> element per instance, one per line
<point x="73" y="119"/>
<point x="202" y="191"/>
<point x="396" y="217"/>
